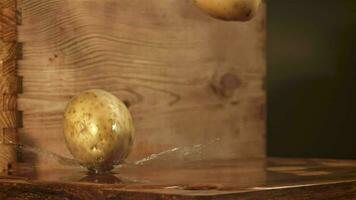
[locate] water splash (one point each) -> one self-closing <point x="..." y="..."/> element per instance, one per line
<point x="194" y="152"/>
<point x="155" y="156"/>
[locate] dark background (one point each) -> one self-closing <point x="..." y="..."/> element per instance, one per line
<point x="312" y="78"/>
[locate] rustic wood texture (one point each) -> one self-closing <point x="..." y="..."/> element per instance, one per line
<point x="8" y="67"/>
<point x="161" y="57"/>
<point x="10" y="84"/>
<point x="8" y="102"/>
<point x="7" y="156"/>
<point x="8" y="23"/>
<point x="8" y="4"/>
<point x="10" y="119"/>
<point x="279" y="179"/>
<point x="8" y="135"/>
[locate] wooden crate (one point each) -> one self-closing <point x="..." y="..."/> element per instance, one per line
<point x="187" y="78"/>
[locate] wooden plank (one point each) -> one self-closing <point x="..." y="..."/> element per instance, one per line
<point x="274" y="178"/>
<point x="159" y="56"/>
<point x="10" y="84"/>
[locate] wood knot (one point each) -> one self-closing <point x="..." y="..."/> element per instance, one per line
<point x="226" y="84"/>
<point x="230" y="82"/>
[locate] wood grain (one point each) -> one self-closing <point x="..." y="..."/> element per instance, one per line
<point x="51" y="191"/>
<point x="8" y="51"/>
<point x="8" y="67"/>
<point x="10" y="119"/>
<point x="8" y="102"/>
<point x="8" y="4"/>
<point x="274" y="178"/>
<point x="8" y="25"/>
<point x="10" y="83"/>
<point x="159" y="56"/>
<point x="7" y="157"/>
<point x="8" y="135"/>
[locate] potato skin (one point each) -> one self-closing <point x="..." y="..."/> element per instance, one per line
<point x="229" y="10"/>
<point x="98" y="130"/>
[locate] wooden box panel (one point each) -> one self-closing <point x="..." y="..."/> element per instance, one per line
<point x="10" y="83"/>
<point x="187" y="78"/>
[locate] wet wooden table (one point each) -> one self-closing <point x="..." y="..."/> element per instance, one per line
<point x="273" y="178"/>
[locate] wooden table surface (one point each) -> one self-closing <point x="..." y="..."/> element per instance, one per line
<point x="273" y="178"/>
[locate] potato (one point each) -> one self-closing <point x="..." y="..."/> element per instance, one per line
<point x="230" y="10"/>
<point x="98" y="130"/>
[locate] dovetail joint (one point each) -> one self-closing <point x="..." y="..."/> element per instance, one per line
<point x="10" y="83"/>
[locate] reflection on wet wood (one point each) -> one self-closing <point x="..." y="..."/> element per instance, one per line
<point x="236" y="179"/>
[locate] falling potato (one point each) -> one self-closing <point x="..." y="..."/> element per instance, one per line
<point x="230" y="10"/>
<point x="98" y="130"/>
